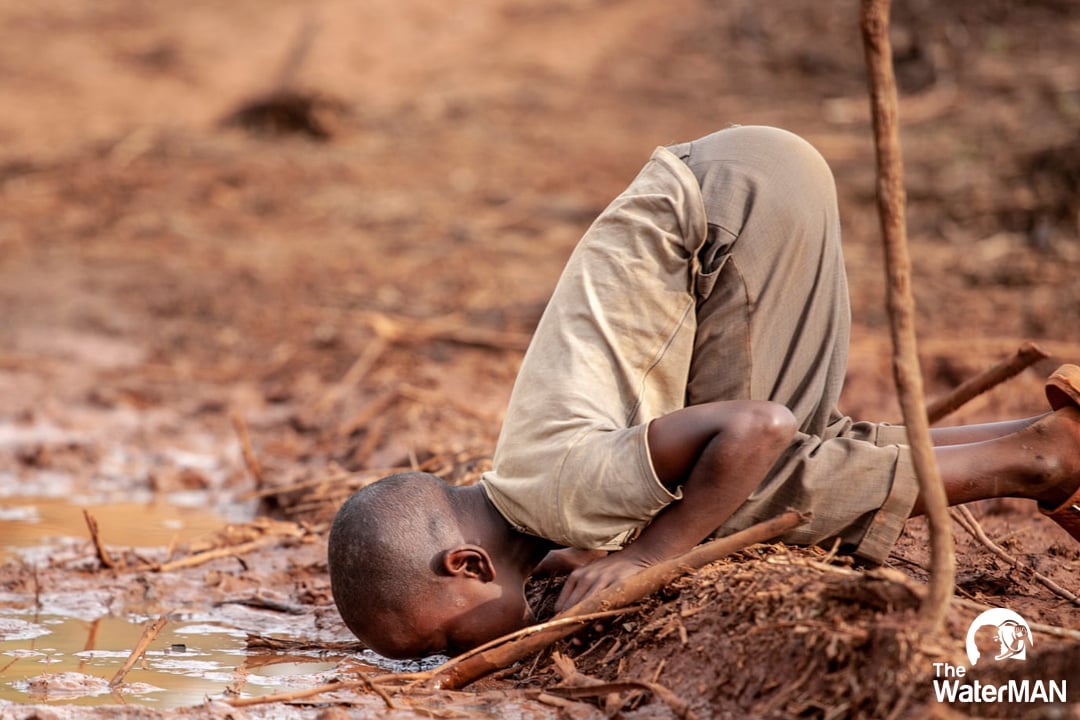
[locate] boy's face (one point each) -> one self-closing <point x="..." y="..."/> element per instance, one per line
<point x="456" y="616"/>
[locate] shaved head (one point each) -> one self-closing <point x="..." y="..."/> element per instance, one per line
<point x="382" y="550"/>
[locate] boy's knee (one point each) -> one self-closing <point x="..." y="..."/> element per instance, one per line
<point x="774" y="422"/>
<point x="762" y="421"/>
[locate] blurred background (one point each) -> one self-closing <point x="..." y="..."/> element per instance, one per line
<point x="255" y="254"/>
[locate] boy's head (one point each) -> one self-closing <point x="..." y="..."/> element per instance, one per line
<point x="411" y="571"/>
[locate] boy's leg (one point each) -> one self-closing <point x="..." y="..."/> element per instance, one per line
<point x="773" y="324"/>
<point x="773" y="313"/>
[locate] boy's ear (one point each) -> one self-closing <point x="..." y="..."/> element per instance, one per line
<point x="468" y="561"/>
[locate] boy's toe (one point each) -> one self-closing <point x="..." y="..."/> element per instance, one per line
<point x="1067" y="515"/>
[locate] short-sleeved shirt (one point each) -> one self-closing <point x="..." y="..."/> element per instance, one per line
<point x="611" y="352"/>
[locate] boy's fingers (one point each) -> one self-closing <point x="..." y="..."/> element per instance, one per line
<point x="566" y="594"/>
<point x="579" y="591"/>
<point x="578" y="586"/>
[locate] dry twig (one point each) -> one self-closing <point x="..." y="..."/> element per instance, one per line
<point x="217" y="553"/>
<point x="680" y="707"/>
<point x="149" y="633"/>
<point x="102" y="551"/>
<point x="966" y="520"/>
<point x="570" y="622"/>
<point x="577" y="684"/>
<point x="376" y="407"/>
<point x="891" y="198"/>
<point x="363" y="364"/>
<point x="265" y="642"/>
<point x="299" y="694"/>
<point x="251" y="461"/>
<point x="450" y="328"/>
<point x="1027" y="355"/>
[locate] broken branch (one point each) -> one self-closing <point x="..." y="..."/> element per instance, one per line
<point x="216" y="553"/>
<point x="966" y="520"/>
<point x="1027" y="355"/>
<point x="874" y="19"/>
<point x="299" y="694"/>
<point x="102" y="551"/>
<point x="450" y="328"/>
<point x="678" y="706"/>
<point x="251" y="461"/>
<point x="149" y="633"/>
<point x="363" y="364"/>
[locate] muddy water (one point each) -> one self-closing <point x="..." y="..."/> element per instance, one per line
<point x="30" y="527"/>
<point x="57" y="659"/>
<point x="65" y="647"/>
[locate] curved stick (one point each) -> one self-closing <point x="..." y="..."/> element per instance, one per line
<point x="874" y="19"/>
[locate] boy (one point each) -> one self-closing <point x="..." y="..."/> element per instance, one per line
<point x="682" y="381"/>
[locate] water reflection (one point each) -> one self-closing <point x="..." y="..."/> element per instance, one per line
<point x="29" y="522"/>
<point x="59" y="659"/>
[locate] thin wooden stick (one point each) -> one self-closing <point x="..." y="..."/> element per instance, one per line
<point x="363" y="364"/>
<point x="630" y="590"/>
<point x="216" y="553"/>
<point x="251" y="461"/>
<point x="576" y="684"/>
<point x="680" y="707"/>
<point x="298" y="694"/>
<point x="102" y="551"/>
<point x="1027" y="355"/>
<point x="450" y="328"/>
<point x="891" y="199"/>
<point x="559" y="622"/>
<point x="346" y="480"/>
<point x="967" y="521"/>
<point x="376" y="407"/>
<point x="149" y="633"/>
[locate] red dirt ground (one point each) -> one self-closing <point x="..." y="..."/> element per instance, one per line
<point x="360" y="300"/>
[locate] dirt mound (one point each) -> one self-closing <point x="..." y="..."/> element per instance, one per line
<point x="792" y="632"/>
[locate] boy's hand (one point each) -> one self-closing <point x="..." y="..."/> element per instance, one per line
<point x="598" y="575"/>
<point x="565" y="560"/>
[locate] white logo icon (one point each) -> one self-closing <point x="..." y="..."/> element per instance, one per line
<point x="998" y="634"/>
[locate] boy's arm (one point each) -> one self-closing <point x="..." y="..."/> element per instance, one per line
<point x="718" y="452"/>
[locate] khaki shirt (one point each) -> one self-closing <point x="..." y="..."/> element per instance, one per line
<point x="612" y="352"/>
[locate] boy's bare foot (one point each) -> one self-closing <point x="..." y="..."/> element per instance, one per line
<point x="1051" y="448"/>
<point x="1063" y="387"/>
<point x="1062" y="503"/>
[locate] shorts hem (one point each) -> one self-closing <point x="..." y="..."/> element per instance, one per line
<point x="884" y="530"/>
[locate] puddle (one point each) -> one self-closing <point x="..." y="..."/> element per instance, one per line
<point x="28" y="523"/>
<point x="63" y="660"/>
